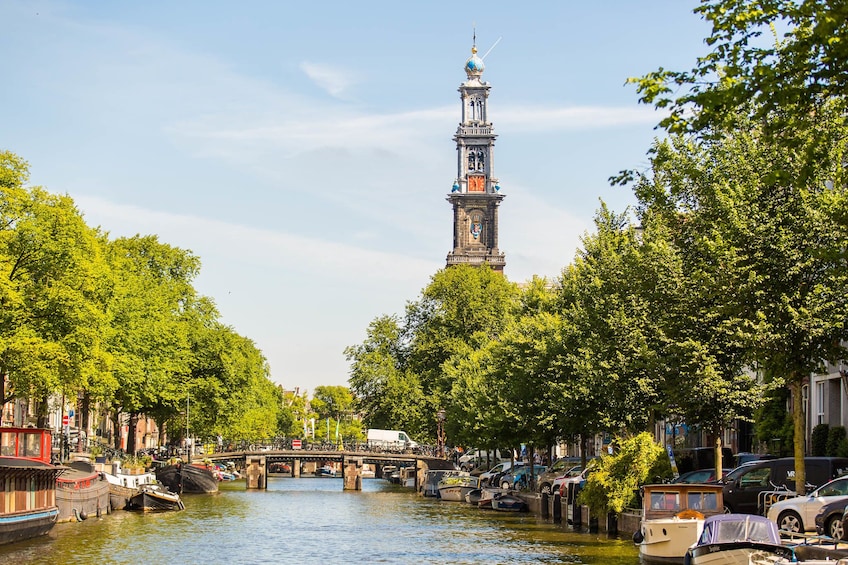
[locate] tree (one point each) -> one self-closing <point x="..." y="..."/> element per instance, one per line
<point x="52" y="291"/>
<point x="763" y="233"/>
<point x="387" y="394"/>
<point x="149" y="340"/>
<point x="782" y="80"/>
<point x="613" y="484"/>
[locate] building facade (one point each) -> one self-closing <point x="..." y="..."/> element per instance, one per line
<point x="475" y="195"/>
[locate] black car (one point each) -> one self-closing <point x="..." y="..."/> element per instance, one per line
<point x="829" y="519"/>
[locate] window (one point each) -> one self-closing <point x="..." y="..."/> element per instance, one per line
<point x="820" y="396"/>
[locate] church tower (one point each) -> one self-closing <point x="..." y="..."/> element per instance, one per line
<point x="475" y="194"/>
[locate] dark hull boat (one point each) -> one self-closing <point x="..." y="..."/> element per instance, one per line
<point x="187" y="478"/>
<point x="81" y="492"/>
<point x="155" y="498"/>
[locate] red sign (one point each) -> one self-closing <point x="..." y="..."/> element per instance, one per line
<point x="296" y="444"/>
<point x="65" y="420"/>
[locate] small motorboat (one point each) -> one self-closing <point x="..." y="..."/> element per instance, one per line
<point x="508" y="503"/>
<point x="155" y="498"/>
<point x="731" y="539"/>
<point x="455" y="487"/>
<point x="326" y="471"/>
<point x="673" y="518"/>
<point x="473" y="496"/>
<point x="487" y="495"/>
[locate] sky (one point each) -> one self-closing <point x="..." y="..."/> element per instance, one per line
<point x="304" y="151"/>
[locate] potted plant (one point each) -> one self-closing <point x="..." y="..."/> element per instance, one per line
<point x="96" y="451"/>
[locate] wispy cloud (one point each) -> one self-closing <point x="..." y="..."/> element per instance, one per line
<point x="540" y="118"/>
<point x="266" y="248"/>
<point x="334" y="81"/>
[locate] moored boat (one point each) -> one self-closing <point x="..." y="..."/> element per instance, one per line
<point x="81" y="491"/>
<point x="738" y="539"/>
<point x="327" y="471"/>
<point x="155" y="498"/>
<point x="455" y="487"/>
<point x="504" y="502"/>
<point x="673" y="518"/>
<point x="188" y="478"/>
<point x="432" y="479"/>
<point x="28" y="500"/>
<point x="473" y="496"/>
<point x="487" y="495"/>
<point x="124" y="486"/>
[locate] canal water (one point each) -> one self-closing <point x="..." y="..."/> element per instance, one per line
<point x="312" y="520"/>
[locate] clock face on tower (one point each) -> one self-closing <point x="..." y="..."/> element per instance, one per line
<point x="476" y="183"/>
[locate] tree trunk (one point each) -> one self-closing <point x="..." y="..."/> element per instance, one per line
<point x="160" y="441"/>
<point x="719" y="464"/>
<point x="85" y="415"/>
<point x="798" y="411"/>
<point x="133" y="423"/>
<point x="116" y="425"/>
<point x="42" y="414"/>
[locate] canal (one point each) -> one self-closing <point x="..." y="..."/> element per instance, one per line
<point x="313" y="521"/>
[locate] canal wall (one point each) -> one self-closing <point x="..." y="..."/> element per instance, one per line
<point x="558" y="509"/>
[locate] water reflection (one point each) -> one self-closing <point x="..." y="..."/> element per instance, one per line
<point x="313" y="520"/>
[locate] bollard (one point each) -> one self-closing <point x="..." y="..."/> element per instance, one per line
<point x="612" y="523"/>
<point x="544" y="505"/>
<point x="557" y="508"/>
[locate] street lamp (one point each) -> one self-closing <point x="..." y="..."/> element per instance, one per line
<point x="440" y="433"/>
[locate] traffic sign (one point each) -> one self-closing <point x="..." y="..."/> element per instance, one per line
<point x="296" y="444"/>
<point x="65" y="420"/>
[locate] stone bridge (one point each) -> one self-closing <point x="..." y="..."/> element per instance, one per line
<point x="256" y="463"/>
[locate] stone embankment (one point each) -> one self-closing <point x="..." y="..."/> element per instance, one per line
<point x="561" y="510"/>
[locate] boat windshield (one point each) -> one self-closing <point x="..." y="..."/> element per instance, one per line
<point x="702" y="500"/>
<point x="725" y="531"/>
<point x="665" y="500"/>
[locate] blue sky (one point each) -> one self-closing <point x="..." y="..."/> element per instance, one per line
<point x="304" y="150"/>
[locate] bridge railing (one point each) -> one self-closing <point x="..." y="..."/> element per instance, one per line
<point x="285" y="444"/>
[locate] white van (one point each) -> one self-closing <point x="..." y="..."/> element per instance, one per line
<point x="395" y="440"/>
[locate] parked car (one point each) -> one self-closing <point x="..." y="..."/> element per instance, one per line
<point x="519" y="477"/>
<point x="486" y="479"/>
<point x="561" y="483"/>
<point x="746" y="457"/>
<point x="476" y="457"/>
<point x="743" y="485"/>
<point x="797" y="514"/>
<point x="700" y="476"/>
<point x="562" y="466"/>
<point x="829" y="519"/>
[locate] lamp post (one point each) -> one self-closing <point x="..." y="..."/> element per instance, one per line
<point x="440" y="433"/>
<point x="188" y="440"/>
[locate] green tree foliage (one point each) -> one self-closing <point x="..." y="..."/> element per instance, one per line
<point x="835" y="439"/>
<point x="774" y="427"/>
<point x="401" y="375"/>
<point x="388" y="395"/>
<point x="116" y="322"/>
<point x="764" y="236"/>
<point x="753" y="64"/>
<point x="783" y="105"/>
<point x="149" y="338"/>
<point x="614" y="483"/>
<point x="818" y="440"/>
<point x="332" y="402"/>
<point x="52" y="288"/>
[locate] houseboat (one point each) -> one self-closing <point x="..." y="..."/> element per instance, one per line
<point x="27" y="484"/>
<point x="81" y="491"/>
